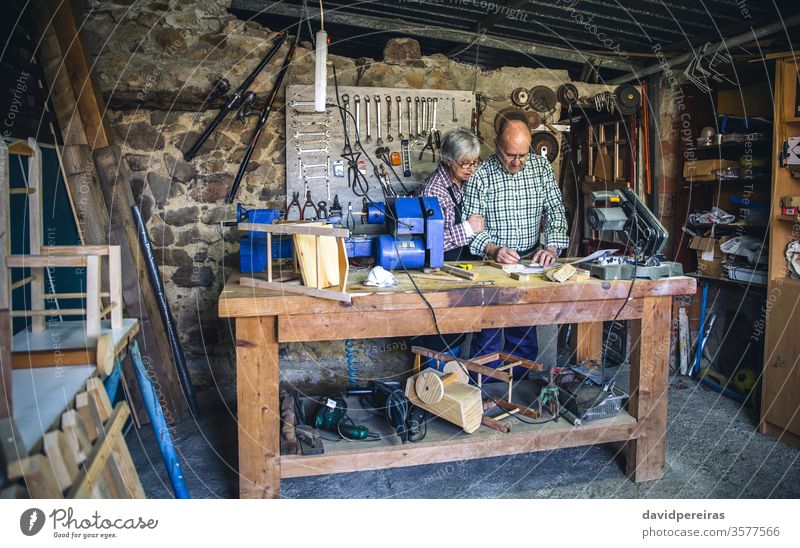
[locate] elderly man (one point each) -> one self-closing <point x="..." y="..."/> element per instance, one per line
<point x="516" y="193"/>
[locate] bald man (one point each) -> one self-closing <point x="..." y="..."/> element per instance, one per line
<point x="517" y="195"/>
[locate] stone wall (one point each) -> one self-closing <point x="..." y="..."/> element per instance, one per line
<point x="155" y="63"/>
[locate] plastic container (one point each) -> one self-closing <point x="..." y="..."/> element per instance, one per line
<point x="744" y="274"/>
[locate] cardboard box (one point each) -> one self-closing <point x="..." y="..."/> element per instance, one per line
<point x="705" y="170"/>
<point x="790" y="201"/>
<point x="709" y="255"/>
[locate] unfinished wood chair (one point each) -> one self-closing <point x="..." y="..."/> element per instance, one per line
<point x="41" y="257"/>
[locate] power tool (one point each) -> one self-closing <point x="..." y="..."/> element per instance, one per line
<point x="332" y="416"/>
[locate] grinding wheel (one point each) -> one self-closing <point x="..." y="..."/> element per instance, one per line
<point x="534" y="119"/>
<point x="429" y="387"/>
<point x="510" y="113"/>
<point x="628" y="98"/>
<point x="544" y="143"/>
<point x="456" y="369"/>
<point x="520" y="97"/>
<point x="106" y="353"/>
<point x="567" y="95"/>
<point x="542" y="99"/>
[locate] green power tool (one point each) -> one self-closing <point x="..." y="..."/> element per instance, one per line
<point x="332" y="416"/>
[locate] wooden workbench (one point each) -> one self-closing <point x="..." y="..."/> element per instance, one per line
<point x="266" y="318"/>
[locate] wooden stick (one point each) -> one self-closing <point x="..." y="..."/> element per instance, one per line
<point x="499" y="426"/>
<point x="23" y="281"/>
<point x="460" y="272"/>
<point x="295" y="229"/>
<point x="300" y="289"/>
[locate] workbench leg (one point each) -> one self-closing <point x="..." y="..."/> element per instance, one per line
<point x="258" y="407"/>
<point x="648" y="389"/>
<point x="588" y="341"/>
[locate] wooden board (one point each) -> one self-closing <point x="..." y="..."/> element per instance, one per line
<point x="318" y="258"/>
<point x="42" y="395"/>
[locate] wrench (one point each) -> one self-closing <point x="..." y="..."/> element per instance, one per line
<point x="424" y="107"/>
<point x="368" y="140"/>
<point x="389" y="119"/>
<point x="357" y="99"/>
<point x="435" y="108"/>
<point x="346" y="102"/>
<point x="416" y="116"/>
<point x="298" y="134"/>
<point x="326" y="150"/>
<point x="399" y="119"/>
<point x="296" y="123"/>
<point x="453" y="105"/>
<point x="408" y="116"/>
<point x="378" y="122"/>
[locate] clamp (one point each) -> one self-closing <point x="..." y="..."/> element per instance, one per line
<point x="309" y="202"/>
<point x="295" y="202"/>
<point x="350" y="217"/>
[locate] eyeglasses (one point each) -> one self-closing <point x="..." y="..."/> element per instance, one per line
<point x="522" y="158"/>
<point x="467" y="165"/>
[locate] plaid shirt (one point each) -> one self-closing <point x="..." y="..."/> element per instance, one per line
<point x="512" y="205"/>
<point x="436" y="185"/>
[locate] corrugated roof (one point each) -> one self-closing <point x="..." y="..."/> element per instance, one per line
<point x="622" y="31"/>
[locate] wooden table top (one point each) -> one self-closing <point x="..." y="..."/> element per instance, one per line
<point x="240" y="301"/>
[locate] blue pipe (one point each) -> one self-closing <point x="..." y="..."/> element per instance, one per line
<point x="699" y="354"/>
<point x="159" y="424"/>
<point x="112" y="381"/>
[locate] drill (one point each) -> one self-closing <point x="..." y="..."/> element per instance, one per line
<point x="332" y="416"/>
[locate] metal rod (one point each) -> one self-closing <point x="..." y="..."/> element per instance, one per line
<point x="163" y="308"/>
<point x="737" y="40"/>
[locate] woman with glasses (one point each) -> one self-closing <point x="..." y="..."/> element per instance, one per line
<point x="459" y="152"/>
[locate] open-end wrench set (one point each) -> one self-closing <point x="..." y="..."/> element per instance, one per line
<point x="390" y="136"/>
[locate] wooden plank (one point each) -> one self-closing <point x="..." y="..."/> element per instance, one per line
<point x="460" y="272"/>
<point x="648" y="390"/>
<point x="258" y="408"/>
<point x="344" y="265"/>
<point x="93" y="314"/>
<point x="318" y="258"/>
<point x="102" y="250"/>
<point x="100" y="453"/>
<point x="308" y="229"/>
<point x="295" y="288"/>
<point x="38" y="476"/>
<point x="238" y="301"/>
<point x="72" y="425"/>
<point x="553" y="435"/>
<point x="587" y="341"/>
<point x="43" y="261"/>
<point x="6" y="392"/>
<point x="114" y="178"/>
<point x="35" y="229"/>
<point x="77" y="62"/>
<point x="42" y="312"/>
<point x="127" y="470"/>
<point x="99" y="398"/>
<point x="65" y="469"/>
<point x="89" y="416"/>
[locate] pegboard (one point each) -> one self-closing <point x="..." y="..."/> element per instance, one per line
<point x="315" y="141"/>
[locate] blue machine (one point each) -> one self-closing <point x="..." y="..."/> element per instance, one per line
<point x="253" y="247"/>
<point x="415" y="228"/>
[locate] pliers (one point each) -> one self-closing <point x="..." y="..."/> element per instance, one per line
<point x="309" y="202"/>
<point x="350" y="217"/>
<point x="296" y="203"/>
<point x="428" y="145"/>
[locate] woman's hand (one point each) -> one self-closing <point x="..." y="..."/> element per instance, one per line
<point x="545" y="257"/>
<point x="475" y="223"/>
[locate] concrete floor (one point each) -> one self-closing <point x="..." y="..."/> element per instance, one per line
<point x="713" y="450"/>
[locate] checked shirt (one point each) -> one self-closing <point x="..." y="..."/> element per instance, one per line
<point x="513" y="206"/>
<point x="437" y="185"/>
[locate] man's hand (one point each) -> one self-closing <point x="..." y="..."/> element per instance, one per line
<point x="545" y="257"/>
<point x="504" y="255"/>
<point x="476" y="223"/>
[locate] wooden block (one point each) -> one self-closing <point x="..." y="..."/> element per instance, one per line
<point x="72" y="425"/>
<point x="99" y="396"/>
<point x="318" y="258"/>
<point x="461" y="273"/>
<point x="63" y="463"/>
<point x="520" y="276"/>
<point x="38" y="476"/>
<point x="461" y="403"/>
<point x="89" y="416"/>
<point x="561" y="273"/>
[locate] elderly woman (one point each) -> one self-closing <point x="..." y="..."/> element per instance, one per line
<point x="459" y="152"/>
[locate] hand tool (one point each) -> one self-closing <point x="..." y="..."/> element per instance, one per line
<point x="428" y="145"/>
<point x="322" y="210"/>
<point x="246" y="108"/>
<point x="389" y="119"/>
<point x="308" y="202"/>
<point x="368" y="140"/>
<point x="424" y="108"/>
<point x="326" y="150"/>
<point x="404" y="151"/>
<point x="346" y="103"/>
<point x="222" y="86"/>
<point x="298" y="134"/>
<point x="294" y="203"/>
<point x="408" y="117"/>
<point x="435" y="108"/>
<point x="350" y="222"/>
<point x="262" y="122"/>
<point x="335" y="215"/>
<point x="324" y="122"/>
<point x="310" y="440"/>
<point x="332" y="416"/>
<point x="357" y="99"/>
<point x="399" y="118"/>
<point x="378" y="121"/>
<point x="417" y="118"/>
<point x="453" y="107"/>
